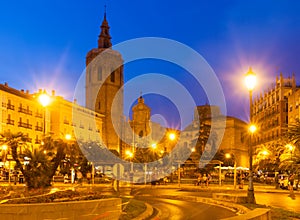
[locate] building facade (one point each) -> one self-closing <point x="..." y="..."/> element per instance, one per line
<point x="22" y="112"/>
<point x="233" y="142"/>
<point x="272" y="109"/>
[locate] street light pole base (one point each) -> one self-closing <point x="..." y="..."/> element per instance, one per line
<point x="251" y="197"/>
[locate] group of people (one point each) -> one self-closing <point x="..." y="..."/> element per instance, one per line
<point x="203" y="179"/>
<point x="77" y="176"/>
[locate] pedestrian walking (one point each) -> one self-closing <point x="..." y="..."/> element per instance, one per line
<point x="88" y="177"/>
<point x="204" y="179"/>
<point x="198" y="181"/>
<point x="291" y="184"/>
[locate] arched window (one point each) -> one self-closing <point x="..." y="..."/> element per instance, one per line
<point x="99" y="73"/>
<point x="141" y="134"/>
<point x="112" y="77"/>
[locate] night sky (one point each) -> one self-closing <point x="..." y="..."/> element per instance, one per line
<point x="43" y="44"/>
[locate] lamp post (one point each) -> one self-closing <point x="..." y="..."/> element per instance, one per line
<point x="171" y="136"/>
<point x="129" y="155"/>
<point x="250" y="81"/>
<point x="291" y="148"/>
<point x="4" y="158"/>
<point x="228" y="156"/>
<point x="44" y="100"/>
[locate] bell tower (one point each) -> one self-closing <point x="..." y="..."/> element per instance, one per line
<point x="104" y="79"/>
<point x="141" y="118"/>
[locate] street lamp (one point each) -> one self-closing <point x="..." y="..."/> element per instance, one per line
<point x="4" y="158"/>
<point x="291" y="148"/>
<point x="44" y="100"/>
<point x="129" y="154"/>
<point x="228" y="156"/>
<point x="68" y="137"/>
<point x="250" y="81"/>
<point x="172" y="136"/>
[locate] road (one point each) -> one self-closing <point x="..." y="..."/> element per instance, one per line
<point x="178" y="209"/>
<point x="277" y="198"/>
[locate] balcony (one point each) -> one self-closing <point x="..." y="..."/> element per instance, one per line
<point x="10" y="122"/>
<point x="10" y="106"/>
<point x="25" y="111"/>
<point x="38" y="115"/>
<point x="38" y="128"/>
<point x="66" y="122"/>
<point x="24" y="125"/>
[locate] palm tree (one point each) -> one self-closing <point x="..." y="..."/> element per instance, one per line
<point x="41" y="165"/>
<point x="294" y="133"/>
<point x="37" y="171"/>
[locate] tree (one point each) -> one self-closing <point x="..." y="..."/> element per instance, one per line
<point x="294" y="133"/>
<point x="41" y="163"/>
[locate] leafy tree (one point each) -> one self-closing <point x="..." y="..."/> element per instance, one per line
<point x="294" y="133"/>
<point x="42" y="162"/>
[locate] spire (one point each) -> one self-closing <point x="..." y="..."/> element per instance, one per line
<point x="104" y="37"/>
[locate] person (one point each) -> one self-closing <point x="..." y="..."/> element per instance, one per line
<point x="15" y="173"/>
<point x="66" y="178"/>
<point x="204" y="179"/>
<point x="79" y="177"/>
<point x="291" y="184"/>
<point x="198" y="182"/>
<point x="88" y="177"/>
<point x="276" y="181"/>
<point x="242" y="179"/>
<point x="208" y="179"/>
<point x="21" y="178"/>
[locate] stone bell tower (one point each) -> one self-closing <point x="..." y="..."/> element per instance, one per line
<point x="104" y="79"/>
<point x="141" y="118"/>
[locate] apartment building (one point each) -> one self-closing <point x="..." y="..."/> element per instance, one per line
<point x="271" y="110"/>
<point x="22" y="112"/>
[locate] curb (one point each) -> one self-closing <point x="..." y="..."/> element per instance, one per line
<point x="239" y="209"/>
<point x="147" y="213"/>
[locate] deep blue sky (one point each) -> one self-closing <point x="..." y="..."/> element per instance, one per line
<point x="43" y="44"/>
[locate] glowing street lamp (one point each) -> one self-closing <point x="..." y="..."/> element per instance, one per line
<point x="172" y="136"/>
<point x="250" y="81"/>
<point x="291" y="148"/>
<point x="44" y="100"/>
<point x="265" y="153"/>
<point x="252" y="128"/>
<point x="4" y="147"/>
<point x="68" y="137"/>
<point x="129" y="154"/>
<point x="153" y="146"/>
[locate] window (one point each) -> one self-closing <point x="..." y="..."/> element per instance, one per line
<point x="99" y="76"/>
<point x="99" y="105"/>
<point x="112" y="77"/>
<point x="90" y="74"/>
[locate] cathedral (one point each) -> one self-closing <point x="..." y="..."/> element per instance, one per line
<point x="104" y="79"/>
